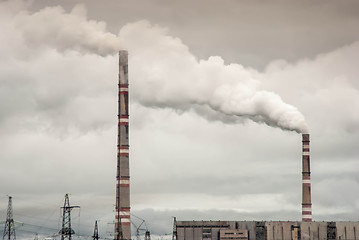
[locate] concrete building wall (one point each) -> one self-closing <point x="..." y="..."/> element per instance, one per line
<point x="347" y="230"/>
<point x="282" y="230"/>
<point x="248" y="225"/>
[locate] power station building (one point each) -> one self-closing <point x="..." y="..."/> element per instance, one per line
<point x="265" y="230"/>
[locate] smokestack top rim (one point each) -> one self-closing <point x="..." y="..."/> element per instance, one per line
<point x="306" y="137"/>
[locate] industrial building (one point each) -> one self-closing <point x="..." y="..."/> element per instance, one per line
<point x="265" y="230"/>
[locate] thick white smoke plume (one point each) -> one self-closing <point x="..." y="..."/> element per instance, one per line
<point x="165" y="74"/>
<point x="53" y="27"/>
<point x="163" y="71"/>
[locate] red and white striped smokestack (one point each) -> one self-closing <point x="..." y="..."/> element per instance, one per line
<point x="122" y="218"/>
<point x="306" y="191"/>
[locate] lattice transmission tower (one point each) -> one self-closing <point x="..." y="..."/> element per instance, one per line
<point x="9" y="231"/>
<point x="66" y="231"/>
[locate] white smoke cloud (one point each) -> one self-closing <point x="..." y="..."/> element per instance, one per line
<point x="54" y="27"/>
<point x="166" y="74"/>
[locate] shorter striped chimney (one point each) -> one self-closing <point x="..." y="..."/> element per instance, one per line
<point x="306" y="192"/>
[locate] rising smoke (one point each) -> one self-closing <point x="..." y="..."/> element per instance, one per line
<point x="167" y="75"/>
<point x="163" y="72"/>
<point x="53" y="27"/>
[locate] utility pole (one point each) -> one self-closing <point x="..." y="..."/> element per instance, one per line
<point x="174" y="233"/>
<point x="66" y="230"/>
<point x="95" y="232"/>
<point x="140" y="228"/>
<point x="9" y="231"/>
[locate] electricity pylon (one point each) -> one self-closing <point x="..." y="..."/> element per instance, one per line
<point x="174" y="233"/>
<point x="9" y="231"/>
<point x="147" y="235"/>
<point x="95" y="232"/>
<point x="66" y="231"/>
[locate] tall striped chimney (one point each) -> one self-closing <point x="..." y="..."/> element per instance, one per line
<point x="306" y="194"/>
<point x="122" y="218"/>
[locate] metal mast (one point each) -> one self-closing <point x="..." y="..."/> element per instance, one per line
<point x="95" y="232"/>
<point x="174" y="233"/>
<point x="9" y="231"/>
<point x="122" y="218"/>
<point x="66" y="230"/>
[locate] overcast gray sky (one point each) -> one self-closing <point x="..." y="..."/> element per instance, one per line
<point x="219" y="90"/>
